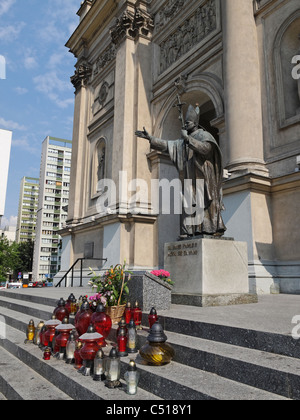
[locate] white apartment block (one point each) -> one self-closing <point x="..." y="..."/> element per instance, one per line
<point x="28" y="206"/>
<point x="5" y="147"/>
<point x="52" y="206"/>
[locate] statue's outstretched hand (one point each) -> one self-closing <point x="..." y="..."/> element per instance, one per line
<point x="143" y="134"/>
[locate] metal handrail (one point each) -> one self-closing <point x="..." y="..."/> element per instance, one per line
<point x="65" y="277"/>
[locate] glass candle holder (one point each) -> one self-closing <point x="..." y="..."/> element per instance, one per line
<point x="30" y="332"/>
<point x="156" y="352"/>
<point x="152" y="317"/>
<point x="62" y="339"/>
<point x="50" y="332"/>
<point x="77" y="357"/>
<point x="36" y="339"/>
<point x="113" y="370"/>
<point x="137" y="316"/>
<point x="61" y="311"/>
<point x="122" y="342"/>
<point x="89" y="350"/>
<point x="102" y="323"/>
<point x="128" y="313"/>
<point x="83" y="321"/>
<point x="70" y="349"/>
<point x="73" y="306"/>
<point x="132" y="338"/>
<point x="99" y="366"/>
<point x="47" y="353"/>
<point x="122" y="323"/>
<point x="132" y="377"/>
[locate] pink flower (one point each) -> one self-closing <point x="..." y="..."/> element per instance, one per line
<point x="161" y="273"/>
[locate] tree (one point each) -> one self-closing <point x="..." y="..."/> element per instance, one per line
<point x="25" y="257"/>
<point x="9" y="256"/>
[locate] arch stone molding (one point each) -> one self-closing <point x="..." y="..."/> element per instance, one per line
<point x="278" y="70"/>
<point x="205" y="83"/>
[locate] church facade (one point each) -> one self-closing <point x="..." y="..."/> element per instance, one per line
<point x="239" y="61"/>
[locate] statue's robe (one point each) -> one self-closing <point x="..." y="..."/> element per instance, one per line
<point x="199" y="158"/>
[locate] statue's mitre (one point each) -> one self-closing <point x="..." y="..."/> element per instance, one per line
<point x="193" y="115"/>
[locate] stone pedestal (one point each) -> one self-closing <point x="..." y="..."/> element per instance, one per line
<point x="209" y="272"/>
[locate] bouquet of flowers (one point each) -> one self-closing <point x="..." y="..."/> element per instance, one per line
<point x="112" y="286"/>
<point x="163" y="275"/>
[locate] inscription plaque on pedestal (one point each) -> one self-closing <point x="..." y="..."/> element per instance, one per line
<point x="209" y="272"/>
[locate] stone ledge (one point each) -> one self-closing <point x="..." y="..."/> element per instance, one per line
<point x="213" y="300"/>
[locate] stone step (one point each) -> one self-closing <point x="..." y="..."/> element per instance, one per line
<point x="261" y="359"/>
<point x="32" y="387"/>
<point x="60" y="375"/>
<point x="268" y="372"/>
<point x="40" y="305"/>
<point x="170" y="382"/>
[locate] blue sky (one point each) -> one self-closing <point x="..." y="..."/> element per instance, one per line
<point x="36" y="98"/>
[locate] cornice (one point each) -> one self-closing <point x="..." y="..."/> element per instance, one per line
<point x="103" y="13"/>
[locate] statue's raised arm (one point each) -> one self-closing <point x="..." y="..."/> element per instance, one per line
<point x="143" y="134"/>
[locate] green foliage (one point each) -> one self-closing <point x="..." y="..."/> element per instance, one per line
<point x="15" y="257"/>
<point x="112" y="287"/>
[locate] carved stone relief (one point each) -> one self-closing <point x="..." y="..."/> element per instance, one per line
<point x="190" y="33"/>
<point x="105" y="58"/>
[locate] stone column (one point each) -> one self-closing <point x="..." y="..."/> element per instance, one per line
<point x="77" y="189"/>
<point x="242" y="88"/>
<point x="131" y="35"/>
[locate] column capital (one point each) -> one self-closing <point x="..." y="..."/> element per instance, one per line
<point x="132" y="25"/>
<point x="81" y="76"/>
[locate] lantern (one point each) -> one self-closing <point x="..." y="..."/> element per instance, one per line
<point x="113" y="370"/>
<point x="122" y="323"/>
<point x="30" y="332"/>
<point x="152" y="317"/>
<point x="137" y="315"/>
<point x="157" y="352"/>
<point x="73" y="306"/>
<point x="36" y="339"/>
<point x="99" y="366"/>
<point x="128" y="313"/>
<point x="47" y="353"/>
<point x="42" y="333"/>
<point x="89" y="349"/>
<point x="102" y="323"/>
<point x="61" y="311"/>
<point x="70" y="349"/>
<point x="62" y="339"/>
<point x="122" y="342"/>
<point x="132" y="337"/>
<point x="84" y="319"/>
<point x="77" y="357"/>
<point x="68" y="303"/>
<point x="132" y="377"/>
<point x="50" y="333"/>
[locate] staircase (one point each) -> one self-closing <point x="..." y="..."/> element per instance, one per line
<point x="223" y="360"/>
